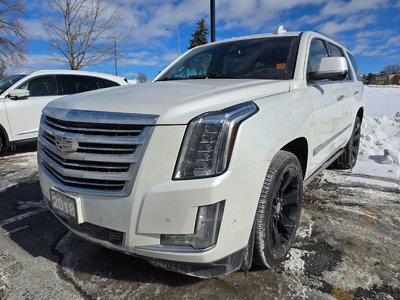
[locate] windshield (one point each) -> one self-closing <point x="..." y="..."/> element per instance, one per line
<point x="7" y="82"/>
<point x="261" y="58"/>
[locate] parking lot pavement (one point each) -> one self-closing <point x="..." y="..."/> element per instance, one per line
<point x="347" y="247"/>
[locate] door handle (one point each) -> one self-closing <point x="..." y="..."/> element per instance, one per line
<point x="340" y="97"/>
<point x="356" y="93"/>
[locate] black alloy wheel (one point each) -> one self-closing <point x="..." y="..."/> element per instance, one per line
<point x="278" y="211"/>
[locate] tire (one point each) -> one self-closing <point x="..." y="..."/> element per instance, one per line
<point x="278" y="210"/>
<point x="1" y="144"/>
<point x="349" y="157"/>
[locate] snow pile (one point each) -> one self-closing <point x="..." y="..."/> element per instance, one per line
<point x="379" y="153"/>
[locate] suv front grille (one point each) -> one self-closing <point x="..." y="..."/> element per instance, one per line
<point x="100" y="155"/>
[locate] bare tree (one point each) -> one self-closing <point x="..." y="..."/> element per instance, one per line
<point x="391" y="69"/>
<point x="81" y="31"/>
<point x="141" y="78"/>
<point x="12" y="33"/>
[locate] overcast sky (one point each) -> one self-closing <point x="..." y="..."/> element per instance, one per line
<point x="369" y="28"/>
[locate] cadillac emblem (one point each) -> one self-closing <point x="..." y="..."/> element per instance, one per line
<point x="65" y="144"/>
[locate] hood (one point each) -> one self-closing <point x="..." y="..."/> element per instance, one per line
<point x="175" y="102"/>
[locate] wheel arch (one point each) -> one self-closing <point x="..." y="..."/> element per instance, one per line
<point x="299" y="147"/>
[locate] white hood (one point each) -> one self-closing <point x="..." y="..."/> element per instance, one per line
<point x="176" y="102"/>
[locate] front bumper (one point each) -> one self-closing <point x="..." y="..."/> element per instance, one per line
<point x="159" y="205"/>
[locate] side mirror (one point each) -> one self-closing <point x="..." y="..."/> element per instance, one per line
<point x="18" y="94"/>
<point x="330" y="68"/>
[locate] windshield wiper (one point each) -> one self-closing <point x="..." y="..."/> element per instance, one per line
<point x="171" y="78"/>
<point x="213" y="76"/>
<point x="206" y="76"/>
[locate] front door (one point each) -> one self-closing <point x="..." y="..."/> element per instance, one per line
<point x="24" y="114"/>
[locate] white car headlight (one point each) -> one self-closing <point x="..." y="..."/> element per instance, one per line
<point x="209" y="140"/>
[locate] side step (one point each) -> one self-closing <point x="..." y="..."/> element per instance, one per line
<point x="323" y="167"/>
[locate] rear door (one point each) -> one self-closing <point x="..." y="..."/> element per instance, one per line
<point x="356" y="89"/>
<point x="327" y="98"/>
<point x="73" y="84"/>
<point x="24" y="114"/>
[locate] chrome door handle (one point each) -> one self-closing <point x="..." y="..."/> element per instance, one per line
<point x="356" y="93"/>
<point x="340" y="97"/>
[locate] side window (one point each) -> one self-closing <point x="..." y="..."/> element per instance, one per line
<point x="105" y="83"/>
<point x="334" y="51"/>
<point x="317" y="51"/>
<point x="41" y="86"/>
<point x="78" y="84"/>
<point x="355" y="66"/>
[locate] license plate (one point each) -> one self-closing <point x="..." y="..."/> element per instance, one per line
<point x="64" y="205"/>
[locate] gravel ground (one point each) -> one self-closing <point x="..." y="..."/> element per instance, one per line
<point x="346" y="248"/>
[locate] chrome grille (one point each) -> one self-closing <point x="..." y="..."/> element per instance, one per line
<point x="93" y="152"/>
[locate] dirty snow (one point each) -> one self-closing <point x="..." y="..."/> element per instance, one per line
<point x="17" y="168"/>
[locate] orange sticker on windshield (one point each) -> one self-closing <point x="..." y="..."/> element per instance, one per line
<point x="280" y="66"/>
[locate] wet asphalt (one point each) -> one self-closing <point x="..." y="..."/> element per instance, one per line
<point x="347" y="247"/>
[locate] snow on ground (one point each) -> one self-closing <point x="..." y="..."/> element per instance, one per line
<point x="381" y="101"/>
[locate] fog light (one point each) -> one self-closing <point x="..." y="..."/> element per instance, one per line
<point x="208" y="223"/>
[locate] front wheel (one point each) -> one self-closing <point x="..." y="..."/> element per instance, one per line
<point x="278" y="210"/>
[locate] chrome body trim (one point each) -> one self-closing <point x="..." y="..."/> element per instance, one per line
<point x="320" y="147"/>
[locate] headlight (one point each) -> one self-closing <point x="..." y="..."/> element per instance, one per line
<point x="209" y="140"/>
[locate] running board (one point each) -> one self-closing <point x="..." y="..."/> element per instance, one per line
<point x="323" y="167"/>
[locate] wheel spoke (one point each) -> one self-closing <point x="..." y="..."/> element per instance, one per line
<point x="288" y="181"/>
<point x="276" y="234"/>
<point x="289" y="198"/>
<point x="286" y="223"/>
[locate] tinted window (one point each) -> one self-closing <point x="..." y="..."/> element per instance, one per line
<point x="106" y="83"/>
<point x="7" y="82"/>
<point x="78" y="84"/>
<point x="355" y="66"/>
<point x="41" y="86"/>
<point x="262" y="58"/>
<point x="317" y="51"/>
<point x="334" y="51"/>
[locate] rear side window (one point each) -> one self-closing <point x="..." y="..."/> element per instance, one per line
<point x="78" y="84"/>
<point x="334" y="50"/>
<point x="355" y="66"/>
<point x="317" y="51"/>
<point x="41" y="86"/>
<point x="105" y="83"/>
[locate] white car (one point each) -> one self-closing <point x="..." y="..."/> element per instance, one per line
<point x="202" y="170"/>
<point x="22" y="98"/>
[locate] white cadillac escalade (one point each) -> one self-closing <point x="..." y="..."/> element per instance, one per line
<point x="202" y="171"/>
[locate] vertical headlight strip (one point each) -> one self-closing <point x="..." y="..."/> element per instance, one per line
<point x="209" y="139"/>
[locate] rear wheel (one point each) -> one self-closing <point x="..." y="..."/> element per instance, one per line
<point x="278" y="210"/>
<point x="349" y="157"/>
<point x="1" y="144"/>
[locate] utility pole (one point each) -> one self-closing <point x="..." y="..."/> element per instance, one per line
<point x="115" y="55"/>
<point x="178" y="32"/>
<point x="212" y="13"/>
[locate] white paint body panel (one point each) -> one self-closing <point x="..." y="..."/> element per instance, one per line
<point x="287" y="110"/>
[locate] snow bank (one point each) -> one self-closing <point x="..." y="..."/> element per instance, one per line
<point x="380" y="137"/>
